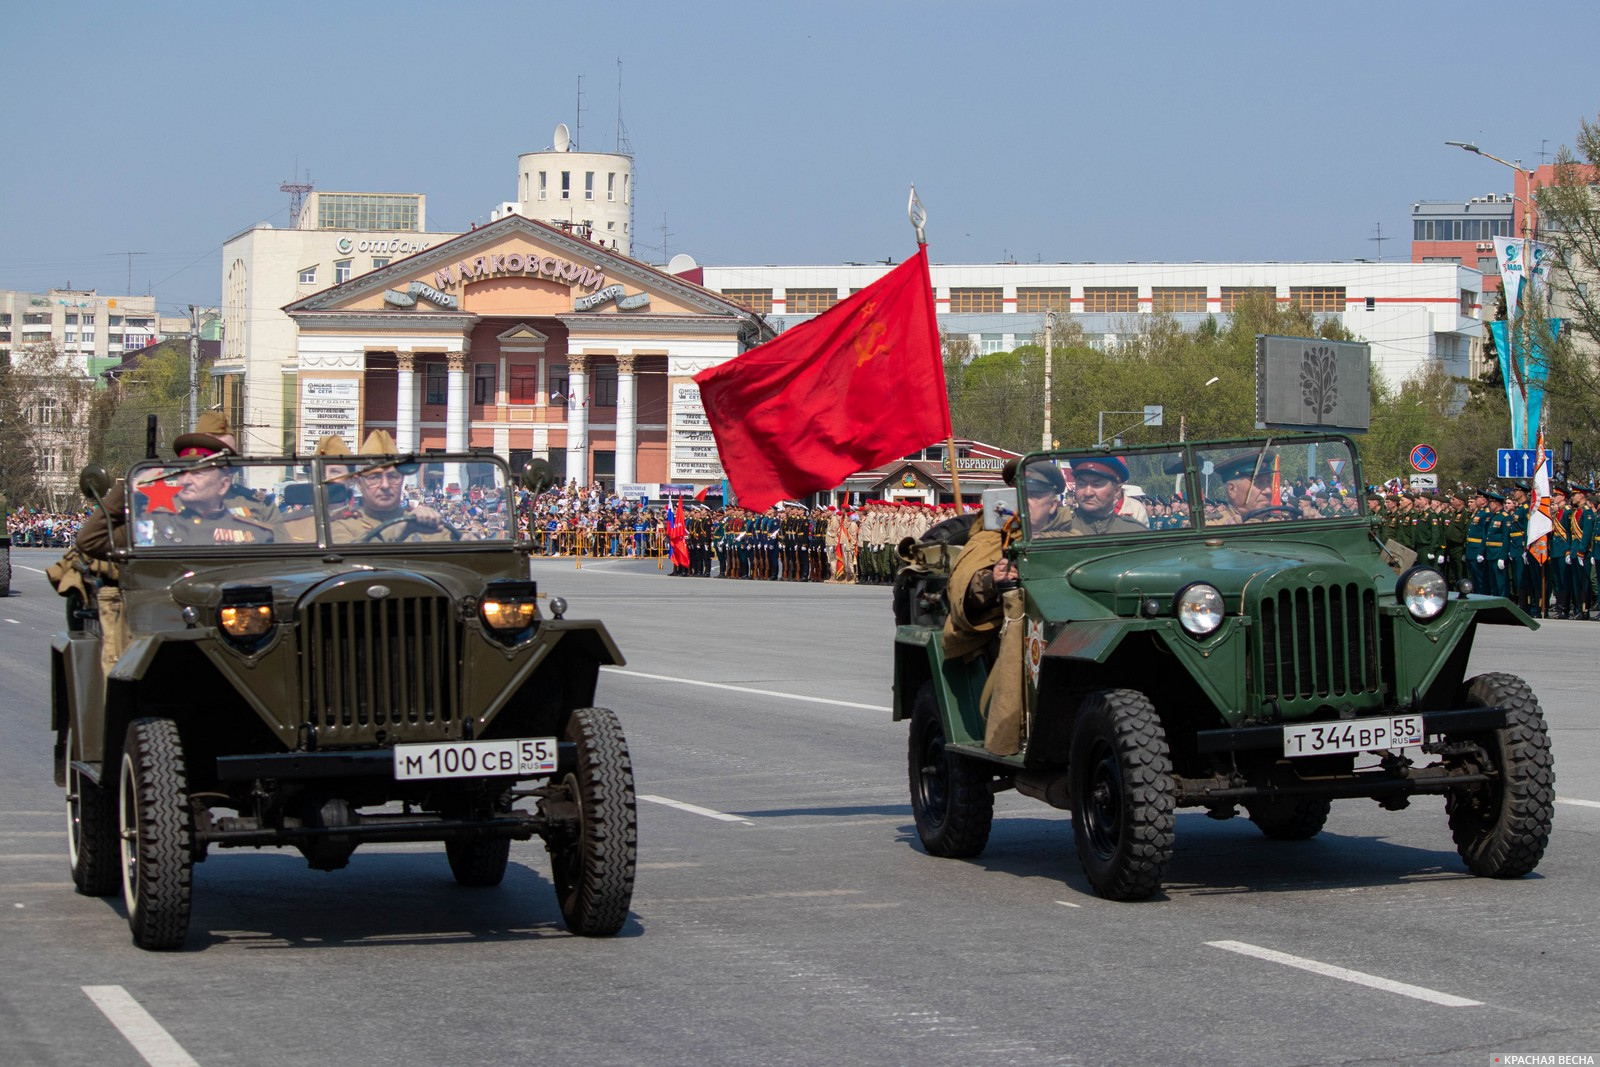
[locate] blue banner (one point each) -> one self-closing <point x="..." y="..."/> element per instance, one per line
<point x="1526" y="411"/>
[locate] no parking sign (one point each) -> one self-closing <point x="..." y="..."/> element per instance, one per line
<point x="1424" y="459"/>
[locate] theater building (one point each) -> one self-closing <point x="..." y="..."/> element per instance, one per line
<point x="523" y="339"/>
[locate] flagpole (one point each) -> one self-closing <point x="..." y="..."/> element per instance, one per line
<point x="919" y="219"/>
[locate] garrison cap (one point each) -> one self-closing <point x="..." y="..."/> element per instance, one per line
<point x="211" y="434"/>
<point x="1105" y="466"/>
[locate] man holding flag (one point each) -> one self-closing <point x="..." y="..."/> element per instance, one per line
<point x="1539" y="527"/>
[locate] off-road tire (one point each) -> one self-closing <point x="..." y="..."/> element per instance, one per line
<point x="593" y="867"/>
<point x="1289" y="818"/>
<point x="1122" y="793"/>
<point x="91" y="832"/>
<point x="157" y="830"/>
<point x="951" y="802"/>
<point x="1501" y="829"/>
<point x="478" y="863"/>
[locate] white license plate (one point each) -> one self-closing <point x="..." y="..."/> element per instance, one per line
<point x="1352" y="735"/>
<point x="524" y="757"/>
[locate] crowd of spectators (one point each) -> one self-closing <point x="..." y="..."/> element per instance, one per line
<point x="33" y="528"/>
<point x="574" y="519"/>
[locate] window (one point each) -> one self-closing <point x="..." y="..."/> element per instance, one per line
<point x="543" y="183"/>
<point x="1372" y="303"/>
<point x="438" y="384"/>
<point x="588" y="185"/>
<point x="1058" y="298"/>
<point x="88" y="319"/>
<point x="368" y="211"/>
<point x="116" y="320"/>
<point x="35" y="318"/>
<point x="1234" y="295"/>
<point x="1187" y="298"/>
<point x="1489" y="265"/>
<point x="624" y="188"/>
<point x="605" y="385"/>
<point x="611" y="186"/>
<point x="379" y="261"/>
<point x="992" y="342"/>
<point x="483" y="381"/>
<point x="1469" y="301"/>
<point x="566" y="185"/>
<point x="522" y="383"/>
<point x="72" y="319"/>
<point x="757" y="300"/>
<point x="1318" y="297"/>
<point x="560" y="386"/>
<point x="1111" y="299"/>
<point x="71" y="337"/>
<point x="974" y="300"/>
<point x="308" y="276"/>
<point x="341" y="271"/>
<point x="1442" y="259"/>
<point x="46" y="413"/>
<point x="810" y="301"/>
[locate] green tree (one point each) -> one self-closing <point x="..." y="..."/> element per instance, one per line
<point x="155" y="382"/>
<point x="18" y="463"/>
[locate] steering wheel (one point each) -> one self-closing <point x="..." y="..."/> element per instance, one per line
<point x="372" y="534"/>
<point x="1285" y="509"/>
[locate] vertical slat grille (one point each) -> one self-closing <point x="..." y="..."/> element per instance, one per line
<point x="373" y="665"/>
<point x="1319" y="642"/>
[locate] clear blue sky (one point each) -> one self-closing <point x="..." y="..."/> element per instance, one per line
<point x="773" y="132"/>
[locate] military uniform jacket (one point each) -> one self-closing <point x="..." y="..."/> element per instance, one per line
<point x="1477" y="532"/>
<point x="190" y="528"/>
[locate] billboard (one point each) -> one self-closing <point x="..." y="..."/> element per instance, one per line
<point x="1307" y="383"/>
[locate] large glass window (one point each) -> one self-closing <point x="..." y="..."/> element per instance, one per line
<point x="341" y="271"/>
<point x="522" y="383"/>
<point x="544" y="181"/>
<point x="1173" y="298"/>
<point x="483" y="382"/>
<point x="566" y="185"/>
<point x="757" y="300"/>
<point x="1044" y="298"/>
<point x="1318" y="297"/>
<point x="367" y="211"/>
<point x="560" y="386"/>
<point x="438" y="383"/>
<point x="588" y="185"/>
<point x="810" y="301"/>
<point x="975" y="300"/>
<point x="605" y="385"/>
<point x="1111" y="299"/>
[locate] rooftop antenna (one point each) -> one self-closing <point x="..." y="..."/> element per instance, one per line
<point x="297" y="191"/>
<point x="624" y="143"/>
<point x="1543" y="155"/>
<point x="664" y="235"/>
<point x="1380" y="239"/>
<point x="577" y="132"/>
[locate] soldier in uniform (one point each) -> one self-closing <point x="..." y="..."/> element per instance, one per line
<point x="1097" y="481"/>
<point x="1477" y="534"/>
<point x="203" y="516"/>
<point x="1424" y="530"/>
<point x="1455" y="538"/>
<point x="1560" y="550"/>
<point x="382" y="502"/>
<point x="1516" y="512"/>
<point x="1495" y="540"/>
<point x="1580" y="542"/>
<point x="1247" y="485"/>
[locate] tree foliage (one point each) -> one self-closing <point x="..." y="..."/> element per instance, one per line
<point x="44" y="401"/>
<point x="155" y="383"/>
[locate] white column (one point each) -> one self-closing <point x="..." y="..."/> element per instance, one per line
<point x="627" y="422"/>
<point x="455" y="409"/>
<point x="405" y="408"/>
<point x="578" y="418"/>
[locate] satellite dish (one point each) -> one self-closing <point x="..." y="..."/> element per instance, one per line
<point x="682" y="263"/>
<point x="563" y="138"/>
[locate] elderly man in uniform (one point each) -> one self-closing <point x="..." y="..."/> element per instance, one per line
<point x="1247" y="484"/>
<point x="382" y="502"/>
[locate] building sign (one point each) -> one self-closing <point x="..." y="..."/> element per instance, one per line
<point x="974" y="463"/>
<point x="609" y="293"/>
<point x="401" y="245"/>
<point x="427" y="292"/>
<point x="637" y="300"/>
<point x="329" y="406"/>
<point x="694" y="448"/>
<point x="510" y="264"/>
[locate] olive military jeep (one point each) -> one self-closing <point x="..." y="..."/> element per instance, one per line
<point x="310" y="674"/>
<point x="1253" y="650"/>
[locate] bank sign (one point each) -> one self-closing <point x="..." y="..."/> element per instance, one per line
<point x="403" y="246"/>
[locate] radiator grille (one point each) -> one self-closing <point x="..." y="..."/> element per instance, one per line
<point x="1319" y="642"/>
<point x="373" y="665"/>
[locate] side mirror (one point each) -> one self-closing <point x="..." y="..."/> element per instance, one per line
<point x="94" y="482"/>
<point x="538" y="476"/>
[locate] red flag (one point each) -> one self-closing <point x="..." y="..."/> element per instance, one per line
<point x="857" y="386"/>
<point x="1539" y="521"/>
<point x="701" y="495"/>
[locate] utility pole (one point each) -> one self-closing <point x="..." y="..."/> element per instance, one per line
<point x="1049" y="351"/>
<point x="194" y="366"/>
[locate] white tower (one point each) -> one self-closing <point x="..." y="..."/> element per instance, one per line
<point x="589" y="194"/>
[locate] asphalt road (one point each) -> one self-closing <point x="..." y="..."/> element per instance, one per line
<point x="784" y="912"/>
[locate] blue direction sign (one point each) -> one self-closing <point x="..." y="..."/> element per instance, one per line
<point x="1424" y="459"/>
<point x="1518" y="462"/>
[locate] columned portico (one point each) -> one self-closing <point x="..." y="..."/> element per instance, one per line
<point x="578" y="417"/>
<point x="627" y="421"/>
<point x="455" y="418"/>
<point x="405" y="413"/>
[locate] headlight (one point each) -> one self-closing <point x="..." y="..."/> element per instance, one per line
<point x="1423" y="591"/>
<point x="509" y="609"/>
<point x="1199" y="608"/>
<point x="245" y="614"/>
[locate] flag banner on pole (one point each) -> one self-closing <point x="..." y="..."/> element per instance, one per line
<point x="1515" y="274"/>
<point x="858" y="386"/>
<point x="1526" y="411"/>
<point x="1539" y="522"/>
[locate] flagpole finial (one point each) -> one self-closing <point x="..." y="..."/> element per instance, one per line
<point x="918" y="215"/>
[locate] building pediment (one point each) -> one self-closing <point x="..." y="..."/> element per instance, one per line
<point x="522" y="335"/>
<point x="517" y="266"/>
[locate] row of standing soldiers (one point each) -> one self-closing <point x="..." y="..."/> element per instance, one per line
<point x="791" y="543"/>
<point x="1488" y="544"/>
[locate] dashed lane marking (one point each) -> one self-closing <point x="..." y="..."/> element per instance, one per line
<point x="1068" y="904"/>
<point x="1371" y="981"/>
<point x="35" y="570"/>
<point x="746" y="689"/>
<point x="696" y="809"/>
<point x="1578" y="803"/>
<point x="148" y="1037"/>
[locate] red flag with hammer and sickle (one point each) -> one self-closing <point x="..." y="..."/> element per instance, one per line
<point x="858" y="386"/>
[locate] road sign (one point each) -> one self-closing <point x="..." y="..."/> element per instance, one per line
<point x="1517" y="462"/>
<point x="1424" y="481"/>
<point x="1424" y="459"/>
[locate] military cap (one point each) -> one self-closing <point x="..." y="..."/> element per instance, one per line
<point x="211" y="434"/>
<point x="332" y="445"/>
<point x="1245" y="465"/>
<point x="1105" y="466"/>
<point x="379" y="443"/>
<point x="1492" y="495"/>
<point x="1044" y="478"/>
<point x="1558" y="488"/>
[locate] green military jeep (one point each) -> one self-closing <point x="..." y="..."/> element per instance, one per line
<point x="1185" y="632"/>
<point x="311" y="671"/>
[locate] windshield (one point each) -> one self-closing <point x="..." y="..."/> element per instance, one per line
<point x="238" y="503"/>
<point x="1103" y="494"/>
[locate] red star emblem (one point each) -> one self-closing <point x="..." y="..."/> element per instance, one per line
<point x="160" y="494"/>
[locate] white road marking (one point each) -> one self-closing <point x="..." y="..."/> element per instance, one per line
<point x="696" y="809"/>
<point x="1068" y="904"/>
<point x="1579" y="803"/>
<point x="148" y="1037"/>
<point x="746" y="689"/>
<point x="35" y="570"/>
<point x="14" y="622"/>
<point x="1372" y="981"/>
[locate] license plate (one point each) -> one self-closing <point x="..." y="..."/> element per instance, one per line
<point x="1352" y="735"/>
<point x="522" y="757"/>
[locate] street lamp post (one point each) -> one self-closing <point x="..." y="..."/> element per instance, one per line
<point x="1049" y="328"/>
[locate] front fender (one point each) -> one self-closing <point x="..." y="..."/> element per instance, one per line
<point x="1216" y="663"/>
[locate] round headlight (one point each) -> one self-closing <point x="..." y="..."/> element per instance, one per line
<point x="508" y="614"/>
<point x="1423" y="591"/>
<point x="1199" y="608"/>
<point x="245" y="620"/>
